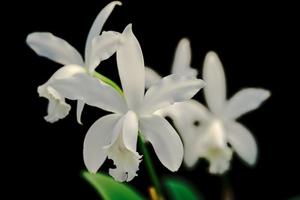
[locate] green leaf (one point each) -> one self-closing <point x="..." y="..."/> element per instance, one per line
<point x="295" y="198"/>
<point x="110" y="189"/>
<point x="180" y="189"/>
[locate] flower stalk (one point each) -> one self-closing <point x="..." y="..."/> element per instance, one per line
<point x="227" y="190"/>
<point x="108" y="81"/>
<point x="149" y="165"/>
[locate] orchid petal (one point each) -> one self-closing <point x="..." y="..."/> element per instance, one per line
<point x="182" y="59"/>
<point x="57" y="107"/>
<point x="219" y="161"/>
<point x="189" y="118"/>
<point x="191" y="155"/>
<point x="47" y="45"/>
<point x="98" y="25"/>
<point x="245" y="101"/>
<point x="98" y="136"/>
<point x="81" y="86"/>
<point x="215" y="135"/>
<point x="79" y="109"/>
<point x="213" y="75"/>
<point x="242" y="141"/>
<point x="130" y="131"/>
<point x="187" y="113"/>
<point x="170" y="89"/>
<point x="103" y="47"/>
<point x="131" y="69"/>
<point x="164" y="139"/>
<point x="151" y="77"/>
<point x="211" y="144"/>
<point x="126" y="161"/>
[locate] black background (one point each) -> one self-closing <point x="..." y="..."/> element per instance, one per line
<point x="257" y="43"/>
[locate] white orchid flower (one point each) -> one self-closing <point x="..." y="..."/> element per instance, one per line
<point x="97" y="49"/>
<point x="207" y="133"/>
<point x="181" y="64"/>
<point x="115" y="135"/>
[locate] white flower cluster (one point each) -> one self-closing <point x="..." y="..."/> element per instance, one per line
<point x="135" y="110"/>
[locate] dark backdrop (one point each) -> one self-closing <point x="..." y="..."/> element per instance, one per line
<point x="257" y="43"/>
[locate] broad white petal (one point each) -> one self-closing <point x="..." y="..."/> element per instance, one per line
<point x="164" y="139"/>
<point x="57" y="107"/>
<point x="102" y="48"/>
<point x="151" y="77"/>
<point x="182" y="59"/>
<point x="66" y="72"/>
<point x="215" y="90"/>
<point x="47" y="45"/>
<point x="170" y="89"/>
<point x="242" y="141"/>
<point x="130" y="131"/>
<point x="131" y="69"/>
<point x="245" y="101"/>
<point x="98" y="136"/>
<point x="81" y="86"/>
<point x="79" y="109"/>
<point x="98" y="25"/>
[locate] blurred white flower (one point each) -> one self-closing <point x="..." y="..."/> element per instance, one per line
<point x="181" y="64"/>
<point x="115" y="135"/>
<point x="207" y="133"/>
<point x="97" y="49"/>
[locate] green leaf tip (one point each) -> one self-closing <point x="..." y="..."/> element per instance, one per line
<point x="109" y="189"/>
<point x="180" y="189"/>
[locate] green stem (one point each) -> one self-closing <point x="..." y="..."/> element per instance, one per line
<point x="141" y="141"/>
<point x="108" y="81"/>
<point x="227" y="190"/>
<point x="149" y="165"/>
